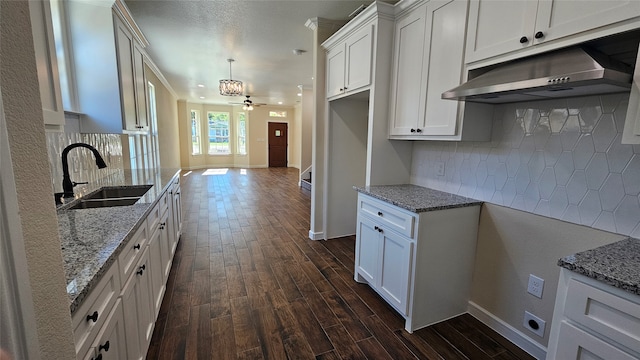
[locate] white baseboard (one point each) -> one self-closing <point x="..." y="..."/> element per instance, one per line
<point x="509" y="332"/>
<point x="316" y="235"/>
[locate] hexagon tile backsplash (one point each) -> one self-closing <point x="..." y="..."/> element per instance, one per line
<point x="557" y="158"/>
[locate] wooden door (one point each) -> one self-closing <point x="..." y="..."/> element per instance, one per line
<point x="277" y="144"/>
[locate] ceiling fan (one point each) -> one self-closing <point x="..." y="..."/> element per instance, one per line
<point x="247" y="104"/>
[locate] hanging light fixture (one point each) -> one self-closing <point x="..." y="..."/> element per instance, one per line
<point x="229" y="87"/>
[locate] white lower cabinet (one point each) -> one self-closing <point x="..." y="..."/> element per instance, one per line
<point x="156" y="269"/>
<point x="167" y="245"/>
<point x="395" y="266"/>
<point x="91" y="316"/>
<point x="592" y="320"/>
<point x="138" y="309"/>
<point x="420" y="263"/>
<point x="111" y="341"/>
<point x="117" y="318"/>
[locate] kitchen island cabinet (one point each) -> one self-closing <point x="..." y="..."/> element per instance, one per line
<point x="407" y="237"/>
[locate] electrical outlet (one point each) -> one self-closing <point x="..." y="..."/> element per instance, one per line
<point x="440" y="168"/>
<point x="534" y="324"/>
<point x="536" y="285"/>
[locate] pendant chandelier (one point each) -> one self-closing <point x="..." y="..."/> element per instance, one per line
<point x="229" y="87"/>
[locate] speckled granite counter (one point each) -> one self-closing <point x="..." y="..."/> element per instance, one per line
<point x="415" y="198"/>
<point x="92" y="239"/>
<point x="616" y="264"/>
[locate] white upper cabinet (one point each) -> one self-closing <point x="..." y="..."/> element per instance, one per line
<point x="132" y="80"/>
<point x="501" y="27"/>
<point x="47" y="64"/>
<point x="429" y="42"/>
<point x="349" y="63"/>
<point x="108" y="63"/>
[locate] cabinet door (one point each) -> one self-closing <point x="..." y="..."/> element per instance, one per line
<point x="335" y="71"/>
<point x="155" y="269"/>
<point x="176" y="209"/>
<point x="560" y="18"/>
<point x="408" y="83"/>
<point x="166" y="244"/>
<point x="137" y="308"/>
<point x="395" y="263"/>
<point x="46" y="62"/>
<point x="358" y="59"/>
<point x="142" y="120"/>
<point x="444" y="59"/>
<point x="111" y="341"/>
<point x="576" y="344"/>
<point x="126" y="74"/>
<point x="367" y="250"/>
<point x="496" y="27"/>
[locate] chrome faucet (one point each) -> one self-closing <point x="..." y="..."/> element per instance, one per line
<point x="67" y="184"/>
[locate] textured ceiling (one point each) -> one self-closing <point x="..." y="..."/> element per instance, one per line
<point x="190" y="42"/>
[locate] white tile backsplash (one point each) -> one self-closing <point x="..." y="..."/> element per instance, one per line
<point x="558" y="158"/>
<point x="82" y="165"/>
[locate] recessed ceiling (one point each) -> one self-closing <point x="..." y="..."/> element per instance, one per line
<point x="190" y="42"/>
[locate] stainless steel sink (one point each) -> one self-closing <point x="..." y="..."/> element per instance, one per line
<point x="98" y="203"/>
<point x="112" y="196"/>
<point x="119" y="192"/>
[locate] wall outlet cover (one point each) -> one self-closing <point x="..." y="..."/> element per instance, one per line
<point x="534" y="324"/>
<point x="535" y="286"/>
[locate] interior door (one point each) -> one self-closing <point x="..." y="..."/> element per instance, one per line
<point x="278" y="144"/>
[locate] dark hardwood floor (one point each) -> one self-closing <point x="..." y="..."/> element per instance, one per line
<point x="247" y="283"/>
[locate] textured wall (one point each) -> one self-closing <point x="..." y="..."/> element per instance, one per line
<point x="562" y="159"/>
<point x="25" y="128"/>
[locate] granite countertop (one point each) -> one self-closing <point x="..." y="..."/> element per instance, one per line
<point x="616" y="264"/>
<point x="92" y="239"/>
<point x="416" y="198"/>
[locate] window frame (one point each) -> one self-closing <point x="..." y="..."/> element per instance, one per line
<point x="228" y="136"/>
<point x="198" y="130"/>
<point x="241" y="133"/>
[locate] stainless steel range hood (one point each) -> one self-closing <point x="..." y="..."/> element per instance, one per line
<point x="574" y="71"/>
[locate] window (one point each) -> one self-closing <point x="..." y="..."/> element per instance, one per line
<point x="218" y="133"/>
<point x="277" y="114"/>
<point x="62" y="45"/>
<point x="153" y="133"/>
<point x="195" y="133"/>
<point x="242" y="133"/>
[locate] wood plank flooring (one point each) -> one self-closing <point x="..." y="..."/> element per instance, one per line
<point x="247" y="283"/>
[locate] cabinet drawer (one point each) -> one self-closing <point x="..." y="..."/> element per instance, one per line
<point x="153" y="219"/>
<point x="132" y="251"/>
<point x="97" y="306"/>
<point x="605" y="313"/>
<point x="388" y="216"/>
<point x="579" y="345"/>
<point x="164" y="202"/>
